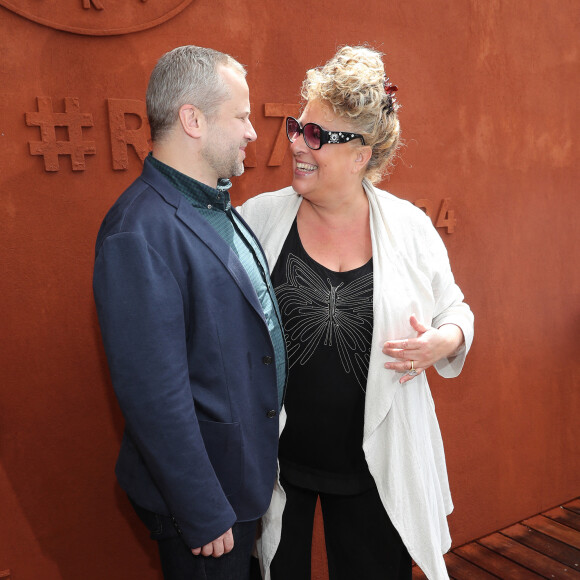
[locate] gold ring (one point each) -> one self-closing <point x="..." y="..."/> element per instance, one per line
<point x="412" y="365"/>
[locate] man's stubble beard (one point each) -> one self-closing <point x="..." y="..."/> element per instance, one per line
<point x="224" y="162"/>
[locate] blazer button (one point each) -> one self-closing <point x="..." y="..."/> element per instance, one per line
<point x="271" y="414"/>
<point x="267" y="360"/>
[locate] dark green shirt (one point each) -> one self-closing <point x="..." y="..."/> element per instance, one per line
<point x="215" y="206"/>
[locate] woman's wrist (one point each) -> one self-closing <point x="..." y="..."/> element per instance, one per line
<point x="453" y="336"/>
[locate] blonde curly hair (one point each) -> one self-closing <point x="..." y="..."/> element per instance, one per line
<point x="352" y="83"/>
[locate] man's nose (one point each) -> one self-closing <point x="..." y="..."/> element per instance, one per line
<point x="251" y="134"/>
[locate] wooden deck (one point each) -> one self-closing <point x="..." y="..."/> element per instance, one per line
<point x="543" y="546"/>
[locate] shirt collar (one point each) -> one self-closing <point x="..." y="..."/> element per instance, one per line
<point x="197" y="193"/>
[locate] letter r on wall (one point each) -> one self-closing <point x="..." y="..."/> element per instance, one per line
<point x="120" y="110"/>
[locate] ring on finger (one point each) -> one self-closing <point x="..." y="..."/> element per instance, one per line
<point x="412" y="370"/>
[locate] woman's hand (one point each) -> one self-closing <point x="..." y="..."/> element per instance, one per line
<point x="414" y="355"/>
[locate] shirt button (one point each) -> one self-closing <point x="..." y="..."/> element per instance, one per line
<point x="208" y="206"/>
<point x="271" y="414"/>
<point x="267" y="360"/>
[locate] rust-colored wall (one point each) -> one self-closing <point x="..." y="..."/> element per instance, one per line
<point x="490" y="116"/>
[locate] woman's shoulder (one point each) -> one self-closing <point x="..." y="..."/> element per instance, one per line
<point x="397" y="208"/>
<point x="409" y="227"/>
<point x="271" y="197"/>
<point x="270" y="203"/>
<point x="271" y="214"/>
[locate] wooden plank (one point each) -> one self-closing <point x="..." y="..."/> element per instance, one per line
<point x="573" y="505"/>
<point x="554" y="529"/>
<point x="564" y="516"/>
<point x="418" y="574"/>
<point x="545" y="544"/>
<point x="528" y="557"/>
<point x="495" y="563"/>
<point x="460" y="569"/>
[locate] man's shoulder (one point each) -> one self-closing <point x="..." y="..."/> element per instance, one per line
<point x="142" y="208"/>
<point x="148" y="193"/>
<point x="137" y="202"/>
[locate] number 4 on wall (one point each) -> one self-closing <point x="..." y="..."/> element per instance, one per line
<point x="445" y="216"/>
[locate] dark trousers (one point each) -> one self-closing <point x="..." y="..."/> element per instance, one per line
<point x="361" y="541"/>
<point x="177" y="561"/>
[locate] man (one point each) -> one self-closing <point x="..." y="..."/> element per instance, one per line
<point x="190" y="326"/>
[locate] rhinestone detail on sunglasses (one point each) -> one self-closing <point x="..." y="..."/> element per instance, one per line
<point x="314" y="141"/>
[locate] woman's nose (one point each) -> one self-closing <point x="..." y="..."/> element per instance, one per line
<point x="298" y="145"/>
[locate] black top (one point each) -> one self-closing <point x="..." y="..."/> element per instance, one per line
<point x="328" y="321"/>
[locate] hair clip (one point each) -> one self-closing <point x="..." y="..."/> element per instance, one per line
<point x="390" y="91"/>
<point x="390" y="88"/>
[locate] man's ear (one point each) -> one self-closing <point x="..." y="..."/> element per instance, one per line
<point x="192" y="120"/>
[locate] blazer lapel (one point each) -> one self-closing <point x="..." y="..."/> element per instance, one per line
<point x="208" y="236"/>
<point x="204" y="232"/>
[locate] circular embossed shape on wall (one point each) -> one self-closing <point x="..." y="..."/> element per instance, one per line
<point x="98" y="17"/>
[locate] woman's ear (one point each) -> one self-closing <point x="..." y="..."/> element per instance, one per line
<point x="192" y="120"/>
<point x="363" y="155"/>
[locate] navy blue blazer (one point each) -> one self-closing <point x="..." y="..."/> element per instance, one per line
<point x="191" y="361"/>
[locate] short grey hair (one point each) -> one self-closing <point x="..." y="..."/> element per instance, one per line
<point x="186" y="75"/>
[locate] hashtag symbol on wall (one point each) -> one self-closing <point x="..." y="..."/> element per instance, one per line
<point x="50" y="147"/>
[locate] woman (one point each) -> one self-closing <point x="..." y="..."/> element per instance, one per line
<point x="368" y="302"/>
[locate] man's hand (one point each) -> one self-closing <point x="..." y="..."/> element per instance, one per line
<point x="218" y="547"/>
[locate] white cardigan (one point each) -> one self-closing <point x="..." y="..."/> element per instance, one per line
<point x="402" y="442"/>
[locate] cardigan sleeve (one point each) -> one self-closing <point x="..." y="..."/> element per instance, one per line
<point x="450" y="307"/>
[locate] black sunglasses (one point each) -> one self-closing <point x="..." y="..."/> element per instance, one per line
<point x="315" y="136"/>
